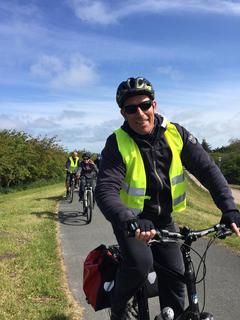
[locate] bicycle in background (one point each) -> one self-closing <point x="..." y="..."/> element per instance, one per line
<point x="74" y="181"/>
<point x="88" y="200"/>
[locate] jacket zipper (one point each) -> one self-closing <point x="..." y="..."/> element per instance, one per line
<point x="158" y="178"/>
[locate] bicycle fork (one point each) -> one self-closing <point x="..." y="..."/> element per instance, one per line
<point x="190" y="277"/>
<point x="85" y="198"/>
<point x="191" y="285"/>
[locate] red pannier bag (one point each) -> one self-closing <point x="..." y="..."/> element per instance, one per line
<point x="99" y="271"/>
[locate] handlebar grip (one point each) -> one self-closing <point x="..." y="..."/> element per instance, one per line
<point x="224" y="232"/>
<point x="131" y="227"/>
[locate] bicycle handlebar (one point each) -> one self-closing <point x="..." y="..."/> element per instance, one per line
<point x="220" y="230"/>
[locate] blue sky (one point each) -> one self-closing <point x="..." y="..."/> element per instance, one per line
<point x="62" y="60"/>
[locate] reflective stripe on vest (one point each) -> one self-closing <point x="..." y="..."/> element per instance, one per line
<point x="176" y="173"/>
<point x="73" y="165"/>
<point x="133" y="189"/>
<point x="133" y="192"/>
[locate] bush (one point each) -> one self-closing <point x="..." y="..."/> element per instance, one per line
<point x="25" y="159"/>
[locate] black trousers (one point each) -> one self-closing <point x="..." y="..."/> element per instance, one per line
<point x="137" y="262"/>
<point x="69" y="177"/>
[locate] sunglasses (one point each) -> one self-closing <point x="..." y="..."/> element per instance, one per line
<point x="85" y="158"/>
<point x="132" y="108"/>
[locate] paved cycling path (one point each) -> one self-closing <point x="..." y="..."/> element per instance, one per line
<point x="77" y="239"/>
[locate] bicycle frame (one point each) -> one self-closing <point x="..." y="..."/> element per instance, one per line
<point x="192" y="312"/>
<point x="189" y="279"/>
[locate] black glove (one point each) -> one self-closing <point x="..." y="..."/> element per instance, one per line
<point x="231" y="217"/>
<point x="143" y="224"/>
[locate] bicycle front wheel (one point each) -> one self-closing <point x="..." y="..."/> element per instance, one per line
<point x="89" y="206"/>
<point x="71" y="191"/>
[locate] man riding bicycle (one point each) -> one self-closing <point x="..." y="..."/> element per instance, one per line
<point x="141" y="183"/>
<point x="71" y="166"/>
<point x="86" y="171"/>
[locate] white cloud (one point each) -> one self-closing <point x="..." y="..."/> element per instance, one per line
<point x="100" y="12"/>
<point x="9" y="122"/>
<point x="214" y="6"/>
<point x="93" y="11"/>
<point x="170" y="72"/>
<point x="72" y="114"/>
<point x="47" y="66"/>
<point x="84" y="124"/>
<point x="76" y="72"/>
<point x="43" y="123"/>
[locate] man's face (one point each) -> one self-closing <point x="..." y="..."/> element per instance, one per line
<point x="141" y="121"/>
<point x="74" y="155"/>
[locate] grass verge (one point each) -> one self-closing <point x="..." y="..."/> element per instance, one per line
<point x="201" y="212"/>
<point x="32" y="282"/>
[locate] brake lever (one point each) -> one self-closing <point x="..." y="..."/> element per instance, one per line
<point x="224" y="234"/>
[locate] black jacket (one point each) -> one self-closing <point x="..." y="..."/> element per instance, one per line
<point x="87" y="169"/>
<point x="154" y="148"/>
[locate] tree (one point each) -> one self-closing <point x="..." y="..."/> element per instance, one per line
<point x="25" y="159"/>
<point x="206" y="146"/>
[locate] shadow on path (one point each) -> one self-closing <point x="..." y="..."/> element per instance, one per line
<point x="54" y="198"/>
<point x="45" y="215"/>
<point x="73" y="218"/>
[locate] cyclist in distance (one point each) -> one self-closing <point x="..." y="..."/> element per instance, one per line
<point x="141" y="183"/>
<point x="87" y="169"/>
<point x="72" y="165"/>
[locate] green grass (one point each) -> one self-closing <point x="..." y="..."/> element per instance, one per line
<point x="201" y="212"/>
<point x="32" y="282"/>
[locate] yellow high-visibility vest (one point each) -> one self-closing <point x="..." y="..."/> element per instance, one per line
<point x="73" y="165"/>
<point x="133" y="191"/>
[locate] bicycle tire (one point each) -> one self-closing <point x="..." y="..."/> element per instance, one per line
<point x="83" y="202"/>
<point x="89" y="206"/>
<point x="71" y="192"/>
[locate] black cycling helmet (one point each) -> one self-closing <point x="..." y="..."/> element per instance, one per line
<point x="133" y="87"/>
<point x="86" y="155"/>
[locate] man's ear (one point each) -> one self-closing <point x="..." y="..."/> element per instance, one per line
<point x="154" y="104"/>
<point x="123" y="113"/>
